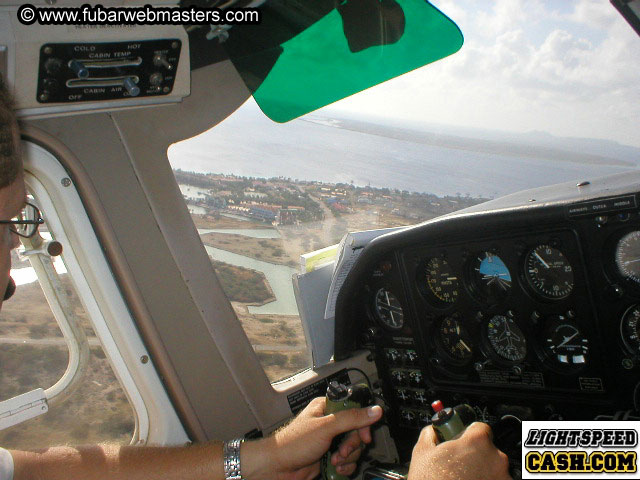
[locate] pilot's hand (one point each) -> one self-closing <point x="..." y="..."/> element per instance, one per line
<point x="472" y="456"/>
<point x="295" y="450"/>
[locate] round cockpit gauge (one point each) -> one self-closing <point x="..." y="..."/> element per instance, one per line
<point x="506" y="338"/>
<point x="490" y="277"/>
<point x="548" y="272"/>
<point x="630" y="329"/>
<point x="627" y="256"/>
<point x="388" y="309"/>
<point x="454" y="340"/>
<point x="564" y="343"/>
<point x="442" y="283"/>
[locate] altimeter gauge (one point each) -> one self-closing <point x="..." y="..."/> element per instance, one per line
<point x="564" y="343"/>
<point x="506" y="339"/>
<point x="548" y="272"/>
<point x="627" y="256"/>
<point x="630" y="329"/>
<point x="490" y="277"/>
<point x="388" y="309"/>
<point x="454" y="340"/>
<point x="442" y="282"/>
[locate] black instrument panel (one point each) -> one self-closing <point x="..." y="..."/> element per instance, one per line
<point x="516" y="318"/>
<point x="521" y="311"/>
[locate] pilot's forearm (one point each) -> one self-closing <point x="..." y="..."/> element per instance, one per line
<point x="113" y="462"/>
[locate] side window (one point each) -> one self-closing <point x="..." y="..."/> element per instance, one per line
<point x="34" y="354"/>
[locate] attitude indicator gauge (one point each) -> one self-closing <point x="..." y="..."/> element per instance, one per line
<point x="388" y="309"/>
<point x="627" y="256"/>
<point x="442" y="283"/>
<point x="564" y="343"/>
<point x="506" y="339"/>
<point x="548" y="272"/>
<point x="454" y="340"/>
<point x="630" y="329"/>
<point x="490" y="277"/>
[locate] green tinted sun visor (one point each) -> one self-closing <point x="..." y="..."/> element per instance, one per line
<point x="306" y="54"/>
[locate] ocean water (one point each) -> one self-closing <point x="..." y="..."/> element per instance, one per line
<point x="249" y="144"/>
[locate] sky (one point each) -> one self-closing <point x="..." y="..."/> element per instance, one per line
<point x="567" y="67"/>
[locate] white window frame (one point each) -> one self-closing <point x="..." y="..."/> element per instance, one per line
<point x="155" y="417"/>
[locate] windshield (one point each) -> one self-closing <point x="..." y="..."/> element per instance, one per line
<point x="542" y="92"/>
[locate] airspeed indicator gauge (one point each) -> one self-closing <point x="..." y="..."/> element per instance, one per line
<point x="441" y="282"/>
<point x="388" y="309"/>
<point x="548" y="272"/>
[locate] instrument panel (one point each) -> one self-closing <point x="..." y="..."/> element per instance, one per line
<point x="505" y="311"/>
<point x="533" y="313"/>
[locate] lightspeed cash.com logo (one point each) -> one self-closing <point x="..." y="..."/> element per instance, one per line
<point x="572" y="449"/>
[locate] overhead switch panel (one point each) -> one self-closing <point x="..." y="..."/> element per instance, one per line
<point x="81" y="72"/>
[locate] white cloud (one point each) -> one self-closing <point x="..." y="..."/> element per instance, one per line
<point x="504" y="16"/>
<point x="527" y="67"/>
<point x="594" y="13"/>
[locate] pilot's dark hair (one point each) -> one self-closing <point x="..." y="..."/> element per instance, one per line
<point x="10" y="163"/>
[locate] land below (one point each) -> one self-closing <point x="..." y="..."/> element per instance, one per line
<point x="301" y="216"/>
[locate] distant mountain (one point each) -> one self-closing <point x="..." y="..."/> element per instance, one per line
<point x="535" y="144"/>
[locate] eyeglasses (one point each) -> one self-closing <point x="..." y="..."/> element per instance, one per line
<point x="26" y="223"/>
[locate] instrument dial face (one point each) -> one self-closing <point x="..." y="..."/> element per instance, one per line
<point x="564" y="343"/>
<point x="548" y="272"/>
<point x="491" y="276"/>
<point x="454" y="340"/>
<point x="388" y="309"/>
<point x="442" y="283"/>
<point x="628" y="256"/>
<point x="506" y="338"/>
<point x="630" y="329"/>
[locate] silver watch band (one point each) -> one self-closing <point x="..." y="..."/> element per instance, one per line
<point x="231" y="455"/>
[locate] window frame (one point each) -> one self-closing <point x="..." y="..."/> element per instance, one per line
<point x="155" y="417"/>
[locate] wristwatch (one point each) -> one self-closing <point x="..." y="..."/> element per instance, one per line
<point x="231" y="455"/>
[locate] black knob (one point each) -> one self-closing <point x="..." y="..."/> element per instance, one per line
<point x="79" y="69"/>
<point x="51" y="85"/>
<point x="53" y="66"/>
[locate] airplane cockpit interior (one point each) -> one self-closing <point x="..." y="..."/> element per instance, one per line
<point x="238" y="213"/>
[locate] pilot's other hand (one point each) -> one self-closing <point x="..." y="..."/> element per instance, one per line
<point x="472" y="456"/>
<point x="295" y="450"/>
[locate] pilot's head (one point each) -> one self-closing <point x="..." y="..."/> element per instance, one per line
<point x="12" y="192"/>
